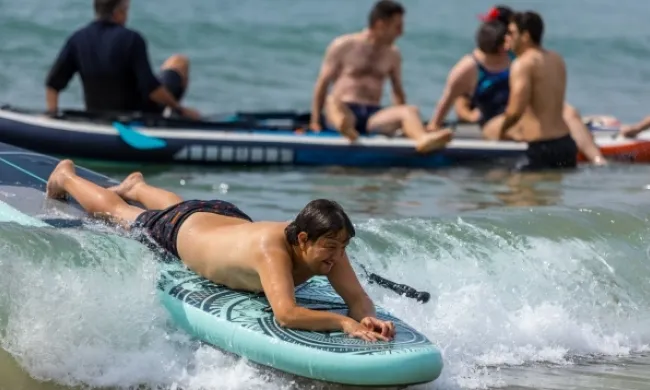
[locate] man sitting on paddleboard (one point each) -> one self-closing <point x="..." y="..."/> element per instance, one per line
<point x="113" y="63"/>
<point x="220" y="242"/>
<point x="357" y="65"/>
<point x="534" y="112"/>
<point x="478" y="85"/>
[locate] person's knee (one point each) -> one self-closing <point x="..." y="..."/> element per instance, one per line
<point x="179" y="63"/>
<point x="410" y="110"/>
<point x="407" y="112"/>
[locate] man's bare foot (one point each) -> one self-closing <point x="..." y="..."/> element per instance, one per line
<point x="126" y="189"/>
<point x="54" y="187"/>
<point x="434" y="140"/>
<point x="350" y="133"/>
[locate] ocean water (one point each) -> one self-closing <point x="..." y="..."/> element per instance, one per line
<point x="538" y="280"/>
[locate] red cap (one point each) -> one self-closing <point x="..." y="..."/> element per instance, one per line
<point x="500" y="13"/>
<point x="492" y="14"/>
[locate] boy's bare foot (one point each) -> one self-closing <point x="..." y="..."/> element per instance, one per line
<point x="54" y="187"/>
<point x="126" y="189"/>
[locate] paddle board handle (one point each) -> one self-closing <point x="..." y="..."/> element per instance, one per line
<point x="402" y="289"/>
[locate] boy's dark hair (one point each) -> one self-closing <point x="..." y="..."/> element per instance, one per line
<point x="104" y="8"/>
<point x="532" y="23"/>
<point x="490" y="36"/>
<point x="384" y="10"/>
<point x="320" y="217"/>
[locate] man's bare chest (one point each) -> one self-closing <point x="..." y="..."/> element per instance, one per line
<point x="368" y="61"/>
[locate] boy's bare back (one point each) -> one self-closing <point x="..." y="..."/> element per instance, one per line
<point x="228" y="250"/>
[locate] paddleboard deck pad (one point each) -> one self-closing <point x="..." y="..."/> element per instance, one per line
<point x="236" y="321"/>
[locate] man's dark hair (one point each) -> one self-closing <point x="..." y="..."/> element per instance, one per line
<point x="104" y="8"/>
<point x="532" y="23"/>
<point x="491" y="36"/>
<point x="320" y="217"/>
<point x="384" y="10"/>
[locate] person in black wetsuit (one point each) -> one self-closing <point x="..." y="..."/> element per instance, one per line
<point x="114" y="67"/>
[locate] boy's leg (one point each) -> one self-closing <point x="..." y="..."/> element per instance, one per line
<point x="134" y="188"/>
<point x="96" y="200"/>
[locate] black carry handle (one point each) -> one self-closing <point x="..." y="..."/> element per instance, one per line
<point x="402" y="289"/>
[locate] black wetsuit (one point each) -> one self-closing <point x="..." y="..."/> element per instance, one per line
<point x="114" y="67"/>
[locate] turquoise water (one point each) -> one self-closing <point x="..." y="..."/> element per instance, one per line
<point x="539" y="281"/>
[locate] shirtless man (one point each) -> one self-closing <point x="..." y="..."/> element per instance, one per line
<point x="534" y="113"/>
<point x="478" y="84"/>
<point x="221" y="243"/>
<point x="358" y="64"/>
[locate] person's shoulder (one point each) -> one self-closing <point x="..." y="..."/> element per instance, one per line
<point x="133" y="39"/>
<point x="344" y="41"/>
<point x="349" y="37"/>
<point x="556" y="56"/>
<point x="121" y="30"/>
<point x="269" y="232"/>
<point x="81" y="34"/>
<point x="82" y="30"/>
<point x="523" y="66"/>
<point x="466" y="65"/>
<point x="526" y="60"/>
<point x="467" y="61"/>
<point x="132" y="33"/>
<point x="269" y="240"/>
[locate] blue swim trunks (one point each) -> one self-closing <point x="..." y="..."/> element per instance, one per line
<point x="362" y="112"/>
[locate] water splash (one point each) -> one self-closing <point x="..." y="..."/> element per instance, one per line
<point x="512" y="288"/>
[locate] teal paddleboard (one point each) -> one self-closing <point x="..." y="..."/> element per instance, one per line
<point x="243" y="323"/>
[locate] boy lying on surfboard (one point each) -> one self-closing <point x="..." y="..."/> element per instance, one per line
<point x="220" y="242"/>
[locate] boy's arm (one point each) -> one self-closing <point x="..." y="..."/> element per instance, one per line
<point x="346" y="284"/>
<point x="362" y="309"/>
<point x="277" y="281"/>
